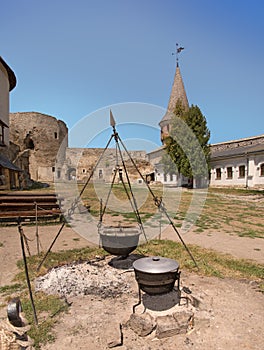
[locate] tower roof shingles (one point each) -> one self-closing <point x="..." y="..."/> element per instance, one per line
<point x="178" y="93"/>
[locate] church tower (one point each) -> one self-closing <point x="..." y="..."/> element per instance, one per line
<point x="178" y="93"/>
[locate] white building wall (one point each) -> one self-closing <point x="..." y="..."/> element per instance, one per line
<point x="252" y="176"/>
<point x="256" y="171"/>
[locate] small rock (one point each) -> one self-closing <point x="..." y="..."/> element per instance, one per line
<point x="142" y="324"/>
<point x="170" y="325"/>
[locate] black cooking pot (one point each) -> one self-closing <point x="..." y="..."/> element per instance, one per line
<point x="156" y="275"/>
<point x="120" y="241"/>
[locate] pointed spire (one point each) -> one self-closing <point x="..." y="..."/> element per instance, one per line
<point x="177" y="92"/>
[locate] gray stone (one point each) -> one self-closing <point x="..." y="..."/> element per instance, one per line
<point x="142" y="324"/>
<point x="170" y="325"/>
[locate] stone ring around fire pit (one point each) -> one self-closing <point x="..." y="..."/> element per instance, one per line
<point x="156" y="275"/>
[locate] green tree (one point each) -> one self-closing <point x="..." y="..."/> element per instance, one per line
<point x="187" y="145"/>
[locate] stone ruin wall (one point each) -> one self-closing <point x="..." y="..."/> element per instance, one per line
<point x="83" y="160"/>
<point x="250" y="141"/>
<point x="38" y="138"/>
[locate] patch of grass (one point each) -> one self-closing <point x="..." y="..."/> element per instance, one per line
<point x="226" y="220"/>
<point x="204" y="223"/>
<point x="225" y="208"/>
<point x="235" y="191"/>
<point x="47" y="306"/>
<point x="210" y="262"/>
<point x="146" y="216"/>
<point x="62" y="257"/>
<point x="179" y="216"/>
<point x="198" y="230"/>
<point x="250" y="233"/>
<point x="9" y="289"/>
<point x="94" y="212"/>
<point x="114" y="214"/>
<point x="130" y="215"/>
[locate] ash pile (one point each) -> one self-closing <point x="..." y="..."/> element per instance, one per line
<point x="86" y="278"/>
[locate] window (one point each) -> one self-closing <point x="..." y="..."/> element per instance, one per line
<point x="28" y="142"/>
<point x="53" y="169"/>
<point x="242" y="171"/>
<point x="218" y="173"/>
<point x="2" y="132"/>
<point x="262" y="169"/>
<point x="83" y="171"/>
<point x="2" y="140"/>
<point x="229" y="171"/>
<point x="31" y="144"/>
<point x="100" y="174"/>
<point x="55" y="135"/>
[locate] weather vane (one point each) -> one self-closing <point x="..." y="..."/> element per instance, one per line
<point x="178" y="50"/>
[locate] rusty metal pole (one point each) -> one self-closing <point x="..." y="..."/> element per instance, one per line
<point x="36" y="220"/>
<point x="20" y="230"/>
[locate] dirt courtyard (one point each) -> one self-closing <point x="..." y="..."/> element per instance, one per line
<point x="229" y="316"/>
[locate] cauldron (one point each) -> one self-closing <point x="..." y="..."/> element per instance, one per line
<point x="120" y="240"/>
<point x="156" y="275"/>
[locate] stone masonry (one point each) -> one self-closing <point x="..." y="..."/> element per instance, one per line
<point x="39" y="137"/>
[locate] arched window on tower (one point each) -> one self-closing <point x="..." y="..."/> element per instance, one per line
<point x="28" y="142"/>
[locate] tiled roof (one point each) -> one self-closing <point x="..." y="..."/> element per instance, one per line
<point x="237" y="151"/>
<point x="6" y="163"/>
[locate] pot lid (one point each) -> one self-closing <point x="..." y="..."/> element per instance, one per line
<point x="155" y="264"/>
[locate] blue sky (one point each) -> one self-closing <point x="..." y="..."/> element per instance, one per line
<point x="73" y="58"/>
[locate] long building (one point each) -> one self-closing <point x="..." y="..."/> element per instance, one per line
<point x="238" y="163"/>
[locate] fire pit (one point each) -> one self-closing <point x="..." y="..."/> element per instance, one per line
<point x="156" y="275"/>
<point x="120" y="240"/>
